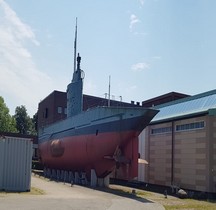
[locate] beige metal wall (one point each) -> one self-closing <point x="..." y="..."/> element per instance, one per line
<point x="191" y="157"/>
<point x="159" y="156"/>
<point x="15" y="163"/>
<point x="194" y="156"/>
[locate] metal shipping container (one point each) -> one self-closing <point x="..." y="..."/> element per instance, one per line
<point x="15" y="163"/>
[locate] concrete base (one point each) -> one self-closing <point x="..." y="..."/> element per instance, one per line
<point x="93" y="178"/>
<point x="101" y="182"/>
<point x="104" y="182"/>
<point x="76" y="178"/>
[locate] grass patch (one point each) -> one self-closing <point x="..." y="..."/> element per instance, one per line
<point x="190" y="204"/>
<point x="128" y="192"/>
<point x="143" y="193"/>
<point x="120" y="192"/>
<point x="34" y="191"/>
<point x="169" y="203"/>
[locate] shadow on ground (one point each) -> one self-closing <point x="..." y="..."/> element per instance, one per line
<point x="123" y="193"/>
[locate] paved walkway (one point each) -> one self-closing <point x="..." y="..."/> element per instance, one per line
<point x="59" y="196"/>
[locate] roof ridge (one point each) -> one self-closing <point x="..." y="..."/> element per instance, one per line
<point x="189" y="98"/>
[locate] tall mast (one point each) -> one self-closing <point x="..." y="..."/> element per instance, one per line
<point x="75" y="46"/>
<point x="109" y="94"/>
<point x="75" y="88"/>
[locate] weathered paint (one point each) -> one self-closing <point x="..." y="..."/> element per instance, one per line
<point x="90" y="140"/>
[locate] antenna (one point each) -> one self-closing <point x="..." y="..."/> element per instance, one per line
<point x="109" y="94"/>
<point x="75" y="46"/>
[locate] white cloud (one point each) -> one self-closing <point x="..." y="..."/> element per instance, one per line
<point x="142" y="2"/>
<point x="133" y="20"/>
<point x="140" y="33"/>
<point x="140" y="66"/>
<point x="156" y="57"/>
<point x="21" y="81"/>
<point x="133" y="87"/>
<point x="22" y="31"/>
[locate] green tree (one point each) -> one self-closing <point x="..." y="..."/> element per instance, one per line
<point x="7" y="123"/>
<point x="35" y="121"/>
<point x="32" y="128"/>
<point x="24" y="123"/>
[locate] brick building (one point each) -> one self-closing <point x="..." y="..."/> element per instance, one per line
<point x="54" y="107"/>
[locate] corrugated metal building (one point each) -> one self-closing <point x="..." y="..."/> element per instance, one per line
<point x="15" y="163"/>
<point x="180" y="144"/>
<point x="32" y="138"/>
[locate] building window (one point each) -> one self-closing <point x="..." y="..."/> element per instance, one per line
<point x="161" y="130"/>
<point x="59" y="110"/>
<point x="45" y="113"/>
<point x="65" y="110"/>
<point x="190" y="126"/>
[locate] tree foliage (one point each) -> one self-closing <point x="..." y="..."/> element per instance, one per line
<point x="20" y="122"/>
<point x="24" y="123"/>
<point x="7" y="123"/>
<point x="35" y="121"/>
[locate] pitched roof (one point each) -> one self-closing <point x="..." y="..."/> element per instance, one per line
<point x="194" y="105"/>
<point x="162" y="99"/>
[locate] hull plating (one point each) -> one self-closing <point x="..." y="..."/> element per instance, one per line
<point x="85" y="152"/>
<point x="94" y="141"/>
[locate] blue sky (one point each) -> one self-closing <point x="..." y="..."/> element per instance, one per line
<point x="148" y="47"/>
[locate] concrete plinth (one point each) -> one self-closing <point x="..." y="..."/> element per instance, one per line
<point x="101" y="182"/>
<point x="104" y="182"/>
<point x="93" y="178"/>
